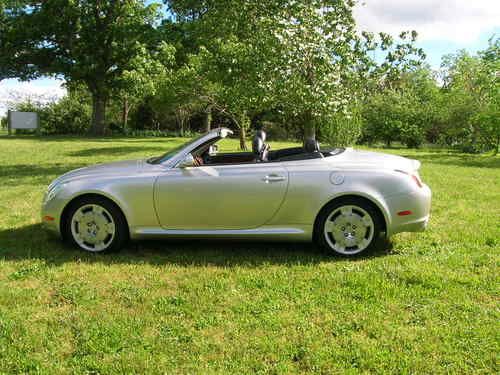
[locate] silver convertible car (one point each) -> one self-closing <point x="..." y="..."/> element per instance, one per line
<point x="341" y="198"/>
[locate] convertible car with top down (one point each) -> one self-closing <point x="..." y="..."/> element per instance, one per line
<point x="342" y="199"/>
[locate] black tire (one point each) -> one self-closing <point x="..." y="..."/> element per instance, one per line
<point x="121" y="233"/>
<point x="325" y="240"/>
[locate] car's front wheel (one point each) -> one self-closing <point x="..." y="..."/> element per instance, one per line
<point x="348" y="227"/>
<point x="95" y="224"/>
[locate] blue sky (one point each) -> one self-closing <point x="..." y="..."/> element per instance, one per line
<point x="444" y="26"/>
<point x="436" y="49"/>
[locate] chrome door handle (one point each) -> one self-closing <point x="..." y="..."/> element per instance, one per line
<point x="273" y="178"/>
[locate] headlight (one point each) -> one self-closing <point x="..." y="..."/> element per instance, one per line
<point x="51" y="194"/>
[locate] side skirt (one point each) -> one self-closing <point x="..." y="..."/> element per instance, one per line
<point x="295" y="233"/>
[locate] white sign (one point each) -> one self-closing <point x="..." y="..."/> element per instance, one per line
<point x="23" y="120"/>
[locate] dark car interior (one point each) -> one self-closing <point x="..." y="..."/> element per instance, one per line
<point x="261" y="153"/>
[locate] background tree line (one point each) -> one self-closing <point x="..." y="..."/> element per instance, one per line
<point x="296" y="68"/>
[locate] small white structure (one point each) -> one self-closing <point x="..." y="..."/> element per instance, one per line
<point x="22" y="120"/>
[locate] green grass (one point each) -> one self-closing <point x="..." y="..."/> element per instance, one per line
<point x="427" y="304"/>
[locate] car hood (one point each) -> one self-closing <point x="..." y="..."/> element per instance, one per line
<point x="354" y="159"/>
<point x="119" y="168"/>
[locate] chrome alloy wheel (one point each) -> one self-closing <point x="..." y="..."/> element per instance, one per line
<point x="349" y="229"/>
<point x="93" y="227"/>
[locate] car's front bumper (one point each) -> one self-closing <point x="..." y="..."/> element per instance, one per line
<point x="418" y="203"/>
<point x="51" y="215"/>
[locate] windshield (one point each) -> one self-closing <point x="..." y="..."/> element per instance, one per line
<point x="170" y="153"/>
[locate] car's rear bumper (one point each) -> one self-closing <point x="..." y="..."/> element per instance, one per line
<point x="410" y="212"/>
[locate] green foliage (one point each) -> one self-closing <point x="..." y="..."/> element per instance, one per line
<point x="472" y="92"/>
<point x="266" y="54"/>
<point x="343" y="129"/>
<point x="381" y="118"/>
<point x="12" y="42"/>
<point x="487" y="123"/>
<point x="70" y="115"/>
<point x="403" y="113"/>
<point x="141" y="80"/>
<point x="87" y="42"/>
<point x="182" y="93"/>
<point x="3" y="123"/>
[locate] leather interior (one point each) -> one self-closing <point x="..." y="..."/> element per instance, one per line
<point x="232" y="158"/>
<point x="257" y="145"/>
<point x="259" y="148"/>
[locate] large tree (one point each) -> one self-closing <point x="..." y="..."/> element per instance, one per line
<point x="294" y="55"/>
<point x="84" y="41"/>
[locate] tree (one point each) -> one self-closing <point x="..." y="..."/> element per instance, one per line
<point x="10" y="66"/>
<point x="313" y="57"/>
<point x="183" y="92"/>
<point x="229" y="72"/>
<point x="487" y="120"/>
<point x="404" y="112"/>
<point x="86" y="41"/>
<point x="471" y="89"/>
<point x="277" y="53"/>
<point x="141" y="79"/>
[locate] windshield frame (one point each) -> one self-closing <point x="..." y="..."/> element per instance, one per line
<point x="172" y="152"/>
<point x="172" y="157"/>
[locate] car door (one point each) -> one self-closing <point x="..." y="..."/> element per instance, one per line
<point x="239" y="196"/>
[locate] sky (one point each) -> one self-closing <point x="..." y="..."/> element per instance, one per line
<point x="443" y="26"/>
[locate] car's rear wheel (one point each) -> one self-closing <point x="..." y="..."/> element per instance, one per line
<point x="95" y="224"/>
<point x="348" y="227"/>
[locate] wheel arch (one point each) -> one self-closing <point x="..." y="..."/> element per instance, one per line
<point x="375" y="203"/>
<point x="99" y="195"/>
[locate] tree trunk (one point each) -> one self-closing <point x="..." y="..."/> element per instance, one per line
<point x="207" y="119"/>
<point x="309" y="127"/>
<point x="243" y="145"/>
<point x="98" y="114"/>
<point x="181" y="116"/>
<point x="242" y="122"/>
<point x="125" y="112"/>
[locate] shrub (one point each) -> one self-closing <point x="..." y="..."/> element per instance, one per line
<point x="71" y="115"/>
<point x="342" y="129"/>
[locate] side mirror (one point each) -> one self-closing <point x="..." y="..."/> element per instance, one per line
<point x="188" y="161"/>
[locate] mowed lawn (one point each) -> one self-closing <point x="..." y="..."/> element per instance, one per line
<point x="429" y="303"/>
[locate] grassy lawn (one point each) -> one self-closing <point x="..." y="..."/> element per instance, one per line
<point x="428" y="304"/>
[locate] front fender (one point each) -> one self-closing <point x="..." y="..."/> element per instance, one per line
<point x="133" y="195"/>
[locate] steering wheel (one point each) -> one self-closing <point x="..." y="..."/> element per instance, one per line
<point x="198" y="161"/>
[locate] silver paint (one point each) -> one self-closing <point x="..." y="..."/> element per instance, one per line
<point x="275" y="200"/>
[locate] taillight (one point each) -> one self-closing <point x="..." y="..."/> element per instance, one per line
<point x="416" y="178"/>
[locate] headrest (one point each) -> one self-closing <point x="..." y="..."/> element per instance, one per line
<point x="257" y="145"/>
<point x="311" y="145"/>
<point x="261" y="134"/>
